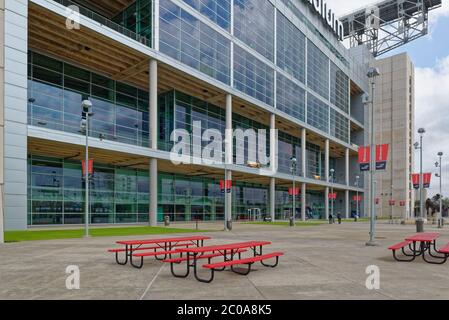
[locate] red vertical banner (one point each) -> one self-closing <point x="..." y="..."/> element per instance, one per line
<point x="382" y="156"/>
<point x="294" y="192"/>
<point x="364" y="158"/>
<point x="392" y="203"/>
<point x="90" y="165"/>
<point x="332" y="196"/>
<point x="357" y="199"/>
<point x="377" y="200"/>
<point x="427" y="177"/>
<point x="402" y="203"/>
<point x="416" y="181"/>
<point x="226" y="186"/>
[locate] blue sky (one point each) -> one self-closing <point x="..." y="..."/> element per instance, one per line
<point x="426" y="51"/>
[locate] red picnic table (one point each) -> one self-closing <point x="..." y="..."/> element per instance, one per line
<point x="421" y="244"/>
<point x="165" y="246"/>
<point x="228" y="252"/>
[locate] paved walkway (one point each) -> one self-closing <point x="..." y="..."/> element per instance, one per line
<point x="322" y="262"/>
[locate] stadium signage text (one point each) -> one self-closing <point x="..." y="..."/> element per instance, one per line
<point x="328" y="15"/>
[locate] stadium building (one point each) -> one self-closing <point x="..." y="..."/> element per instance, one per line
<point x="151" y="67"/>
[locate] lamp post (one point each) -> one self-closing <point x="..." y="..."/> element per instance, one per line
<point x="332" y="174"/>
<point x="372" y="74"/>
<point x="86" y="106"/>
<point x="293" y="170"/>
<point x="420" y="219"/>
<point x="357" y="179"/>
<point x="440" y="175"/>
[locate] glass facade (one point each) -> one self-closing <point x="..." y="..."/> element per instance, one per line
<point x="137" y="18"/>
<point x="254" y="25"/>
<point x="288" y="146"/>
<point x="218" y="11"/>
<point x="291" y="98"/>
<point x="339" y="126"/>
<point x="56" y="90"/>
<point x="291" y="48"/>
<point x="56" y="193"/>
<point x="192" y="42"/>
<point x="315" y="162"/>
<point x="317" y="70"/>
<point x="284" y="205"/>
<point x="297" y="79"/>
<point x="186" y="112"/>
<point x="317" y="113"/>
<point x="339" y="89"/>
<point x="253" y="77"/>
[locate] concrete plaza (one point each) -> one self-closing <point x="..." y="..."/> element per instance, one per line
<point x="320" y="262"/>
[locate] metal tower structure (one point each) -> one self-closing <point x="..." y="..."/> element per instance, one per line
<point x="389" y="24"/>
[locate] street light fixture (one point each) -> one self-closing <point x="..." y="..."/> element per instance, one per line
<point x="293" y="170"/>
<point x="372" y="74"/>
<point x="440" y="175"/>
<point x="420" y="219"/>
<point x="86" y="106"/>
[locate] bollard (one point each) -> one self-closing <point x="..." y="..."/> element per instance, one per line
<point x="420" y="225"/>
<point x="167" y="221"/>
<point x="292" y="222"/>
<point x="229" y="225"/>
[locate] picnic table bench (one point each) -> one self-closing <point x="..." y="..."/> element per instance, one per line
<point x="228" y="252"/>
<point x="158" y="248"/>
<point x="422" y="244"/>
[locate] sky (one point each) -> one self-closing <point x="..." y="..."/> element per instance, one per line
<point x="430" y="55"/>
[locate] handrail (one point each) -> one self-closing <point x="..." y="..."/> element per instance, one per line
<point x="106" y="22"/>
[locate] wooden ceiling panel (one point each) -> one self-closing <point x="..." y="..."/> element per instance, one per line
<point x="107" y="8"/>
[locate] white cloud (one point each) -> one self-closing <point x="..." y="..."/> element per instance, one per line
<point x="432" y="110"/>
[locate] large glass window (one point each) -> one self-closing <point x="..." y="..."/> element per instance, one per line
<point x="339" y="126"/>
<point x="55" y="93"/>
<point x="57" y="193"/>
<point x="317" y="70"/>
<point x="291" y="48"/>
<point x="192" y="42"/>
<point x="339" y="88"/>
<point x="218" y="11"/>
<point x="254" y="25"/>
<point x="315" y="162"/>
<point x="252" y="76"/>
<point x="291" y="98"/>
<point x="317" y="113"/>
<point x="288" y="146"/>
<point x="137" y="18"/>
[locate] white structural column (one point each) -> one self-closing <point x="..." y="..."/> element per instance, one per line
<point x="327" y="177"/>
<point x="348" y="181"/>
<point x="14" y="113"/>
<point x="326" y="160"/>
<point x="303" y="173"/>
<point x="347" y="205"/>
<point x="273" y="199"/>
<point x="273" y="165"/>
<point x="347" y="177"/>
<point x="304" y="153"/>
<point x="326" y="203"/>
<point x="303" y="201"/>
<point x="229" y="155"/>
<point x="154" y="141"/>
